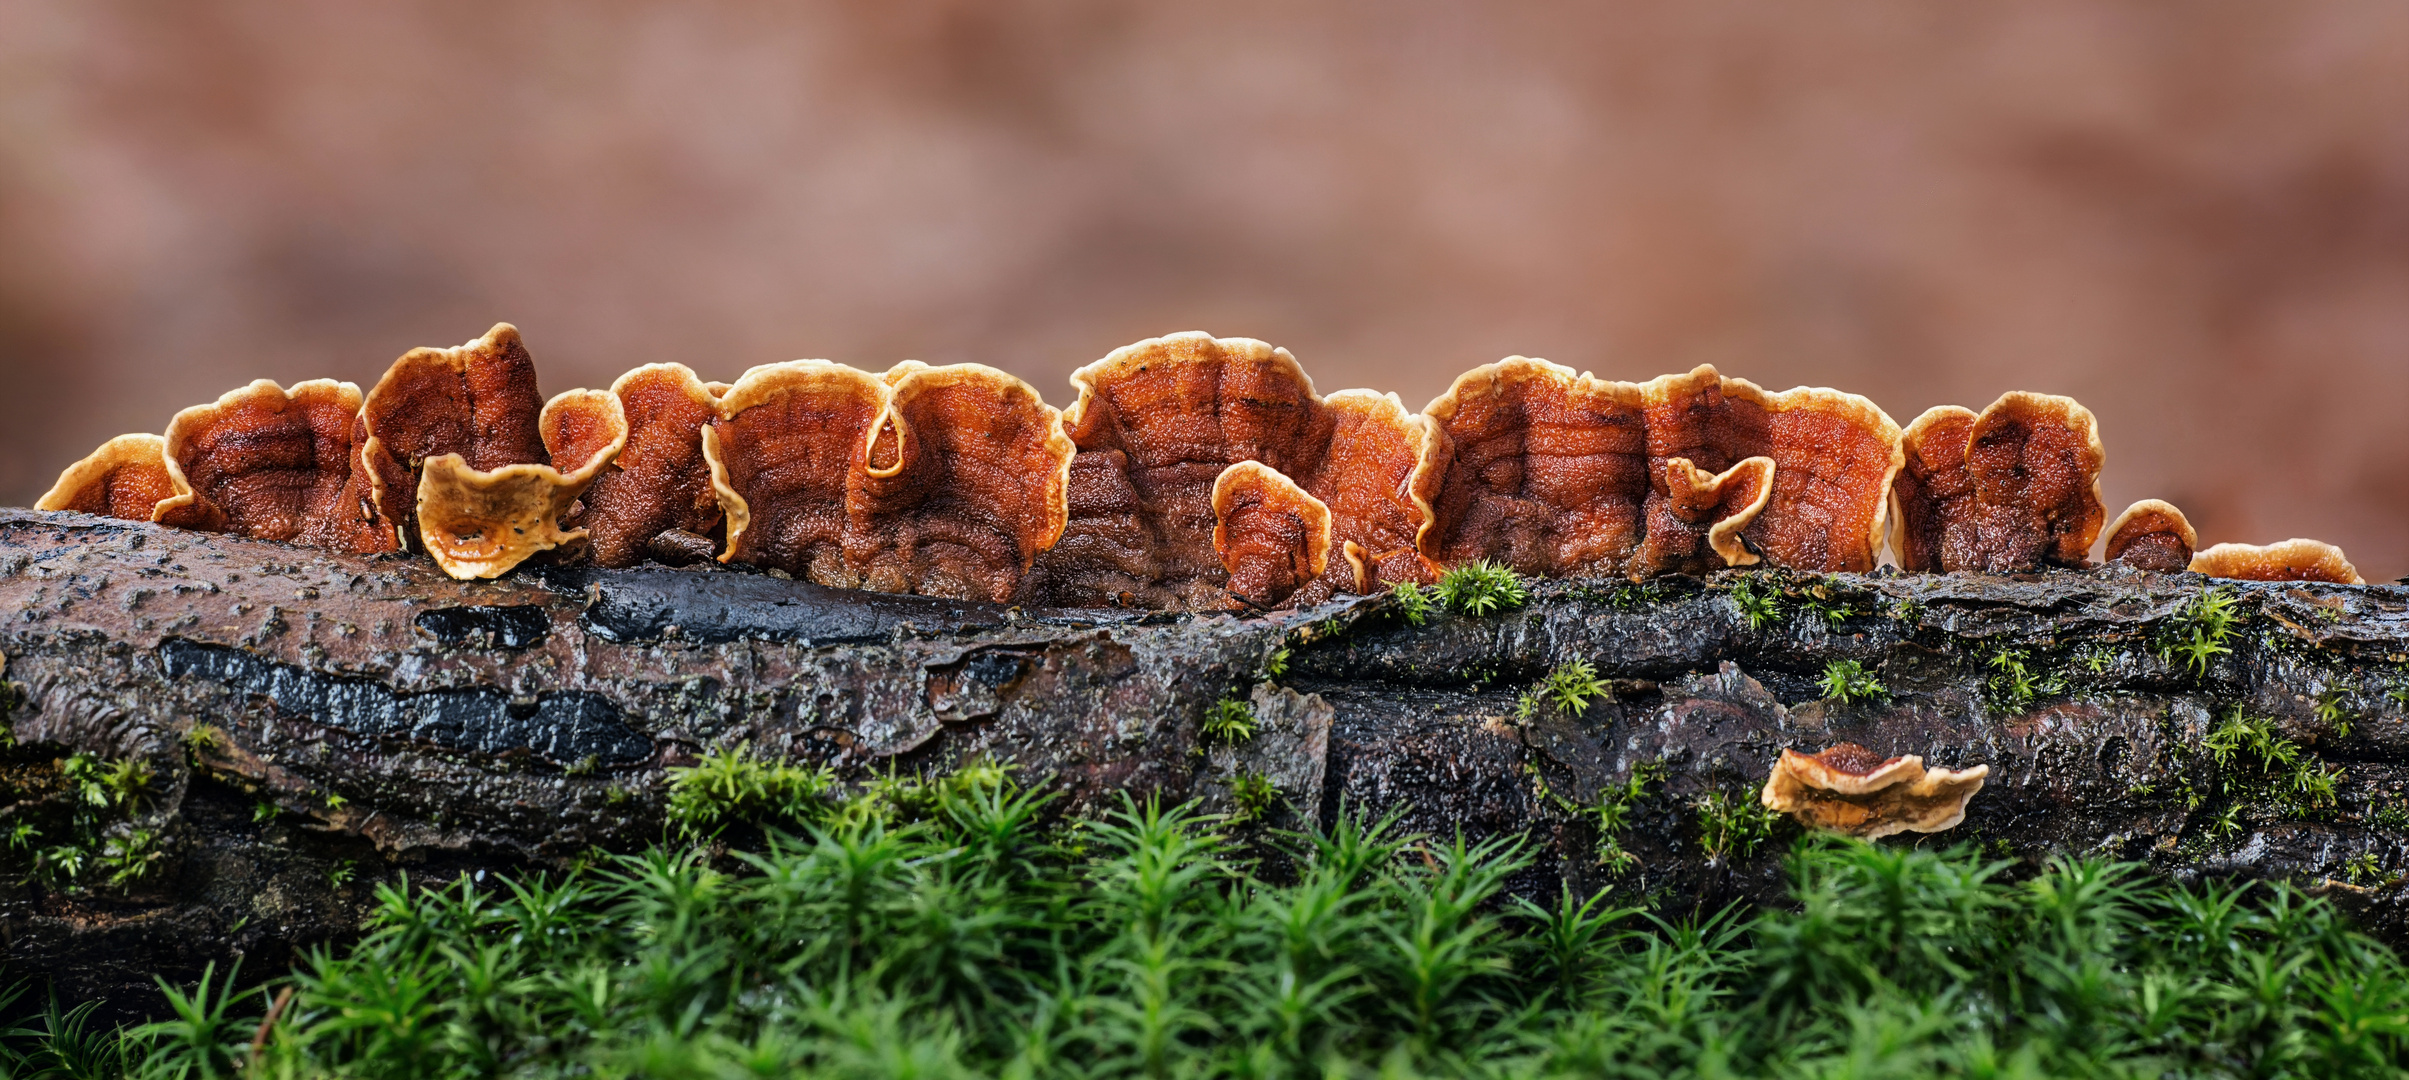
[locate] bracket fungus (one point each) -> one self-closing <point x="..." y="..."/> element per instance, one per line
<point x="1537" y="467"/>
<point x="1373" y="479"/>
<point x="1695" y="526"/>
<point x="477" y="402"/>
<point x="2152" y="535"/>
<point x="2012" y="489"/>
<point x="1271" y="536"/>
<point x="2290" y="560"/>
<point x="786" y="449"/>
<point x="1834" y="457"/>
<point x="479" y="523"/>
<point x="1850" y="789"/>
<point x="965" y="479"/>
<point x="125" y="478"/>
<point x="1169" y="414"/>
<point x="655" y="498"/>
<point x="273" y="464"/>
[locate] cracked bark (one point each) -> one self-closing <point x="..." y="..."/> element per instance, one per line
<point x="391" y="720"/>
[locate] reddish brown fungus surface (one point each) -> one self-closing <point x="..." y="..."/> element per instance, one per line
<point x="1850" y="789"/>
<point x="1270" y="535"/>
<point x="478" y="401"/>
<point x="2296" y="559"/>
<point x="480" y="524"/>
<point x="787" y="446"/>
<point x="660" y="482"/>
<point x="1373" y="482"/>
<point x="1835" y="456"/>
<point x="2015" y="490"/>
<point x="1695" y="526"/>
<point x="126" y="477"/>
<point x="272" y="464"/>
<point x="2152" y="535"/>
<point x="1536" y="467"/>
<point x="966" y="480"/>
<point x="1178" y="410"/>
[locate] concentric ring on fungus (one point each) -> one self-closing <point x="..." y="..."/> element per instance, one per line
<point x="2011" y="490"/>
<point x="273" y="464"/>
<point x="2152" y="535"/>
<point x="126" y="477"/>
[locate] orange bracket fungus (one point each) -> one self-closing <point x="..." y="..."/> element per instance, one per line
<point x="1272" y="537"/>
<point x="1695" y="526"/>
<point x="655" y="498"/>
<point x="1834" y="457"/>
<point x="1169" y="414"/>
<point x="787" y="446"/>
<point x="479" y="523"/>
<point x="478" y="401"/>
<point x="2290" y="560"/>
<point x="2152" y="535"/>
<point x="1537" y="467"/>
<point x="2013" y="489"/>
<point x="126" y="478"/>
<point x="1850" y="789"/>
<point x="273" y="464"/>
<point x="1373" y="480"/>
<point x="965" y="479"/>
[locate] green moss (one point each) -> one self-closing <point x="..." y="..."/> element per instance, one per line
<point x="1733" y="825"/>
<point x="1481" y="589"/>
<point x="1847" y="681"/>
<point x="735" y="786"/>
<point x="1757" y="601"/>
<point x="2200" y="631"/>
<point x="1254" y="795"/>
<point x="1229" y="722"/>
<point x="1573" y="685"/>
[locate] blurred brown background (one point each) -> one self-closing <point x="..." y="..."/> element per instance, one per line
<point x="2192" y="216"/>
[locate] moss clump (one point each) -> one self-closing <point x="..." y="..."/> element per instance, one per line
<point x="736" y="787"/>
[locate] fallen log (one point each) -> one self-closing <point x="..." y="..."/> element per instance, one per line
<point x="221" y="744"/>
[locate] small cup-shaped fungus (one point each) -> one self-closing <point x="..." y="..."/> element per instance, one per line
<point x="2013" y="489"/>
<point x="1850" y="789"/>
<point x="965" y="480"/>
<point x="2152" y="535"/>
<point x="655" y="498"/>
<point x="125" y="478"/>
<point x="1169" y="414"/>
<point x="787" y="447"/>
<point x="273" y="464"/>
<point x="478" y="401"/>
<point x="1834" y="456"/>
<point x="1373" y="480"/>
<point x="1695" y="528"/>
<point x="2290" y="560"/>
<point x="1271" y="536"/>
<point x="479" y="523"/>
<point x="1537" y="467"/>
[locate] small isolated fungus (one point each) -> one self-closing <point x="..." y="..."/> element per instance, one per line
<point x="1850" y="789"/>
<point x="2152" y="535"/>
<point x="1272" y="537"/>
<point x="126" y="478"/>
<point x="1695" y="526"/>
<point x="2013" y="489"/>
<point x="478" y="401"/>
<point x="655" y="498"/>
<point x="479" y="523"/>
<point x="1168" y="415"/>
<point x="965" y="480"/>
<point x="1834" y="457"/>
<point x="273" y="464"/>
<point x="1373" y="480"/>
<point x="1537" y="467"/>
<point x="2290" y="560"/>
<point x="787" y="447"/>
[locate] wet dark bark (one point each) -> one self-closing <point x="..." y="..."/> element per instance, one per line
<point x="315" y="723"/>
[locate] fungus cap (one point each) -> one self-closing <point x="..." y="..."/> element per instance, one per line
<point x="2296" y="559"/>
<point x="2014" y="490"/>
<point x="1271" y="536"/>
<point x="2152" y="535"/>
<point x="272" y="464"/>
<point x="1849" y="789"/>
<point x="1376" y="481"/>
<point x="787" y="446"/>
<point x="480" y="523"/>
<point x="1535" y="466"/>
<point x="659" y="483"/>
<point x="1696" y="526"/>
<point x="126" y="477"/>
<point x="966" y="478"/>
<point x="476" y="401"/>
<point x="1835" y="456"/>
